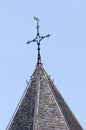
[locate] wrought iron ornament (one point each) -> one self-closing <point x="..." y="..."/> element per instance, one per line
<point x="38" y="39"/>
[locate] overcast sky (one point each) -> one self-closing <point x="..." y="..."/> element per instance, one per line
<point x="63" y="54"/>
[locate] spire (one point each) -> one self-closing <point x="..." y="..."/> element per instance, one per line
<point x="38" y="40"/>
<point x="42" y="107"/>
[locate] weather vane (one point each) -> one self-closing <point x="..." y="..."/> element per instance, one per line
<point x="38" y="39"/>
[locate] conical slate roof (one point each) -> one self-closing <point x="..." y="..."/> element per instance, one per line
<point x="42" y="107"/>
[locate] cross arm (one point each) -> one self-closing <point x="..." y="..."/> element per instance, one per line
<point x="30" y="41"/>
<point x="46" y="36"/>
<point x="42" y="37"/>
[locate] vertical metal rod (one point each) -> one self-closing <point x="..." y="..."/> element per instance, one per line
<point x="38" y="28"/>
<point x="38" y="43"/>
<point x="39" y="56"/>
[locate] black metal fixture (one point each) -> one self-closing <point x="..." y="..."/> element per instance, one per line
<point x="38" y="39"/>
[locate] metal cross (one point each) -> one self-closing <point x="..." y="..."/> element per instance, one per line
<point x="38" y="39"/>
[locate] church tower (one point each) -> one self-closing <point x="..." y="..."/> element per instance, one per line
<point x="42" y="107"/>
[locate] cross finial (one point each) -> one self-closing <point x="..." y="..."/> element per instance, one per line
<point x="38" y="39"/>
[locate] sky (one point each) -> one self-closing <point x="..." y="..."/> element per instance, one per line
<point x="63" y="54"/>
